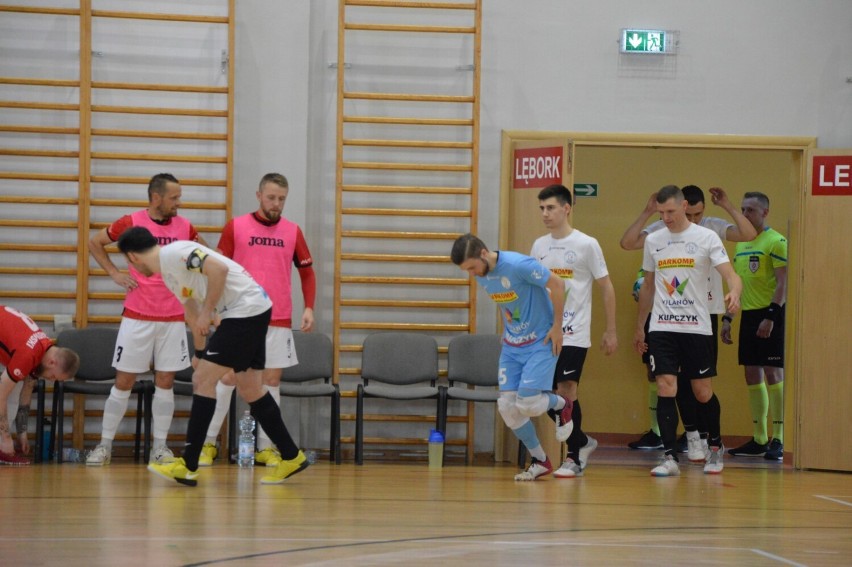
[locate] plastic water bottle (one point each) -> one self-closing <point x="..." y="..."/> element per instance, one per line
<point x="436" y="449"/>
<point x="310" y="456"/>
<point x="245" y="456"/>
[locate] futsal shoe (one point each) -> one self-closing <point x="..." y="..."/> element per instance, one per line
<point x="667" y="467"/>
<point x="536" y="469"/>
<point x="162" y="456"/>
<point x="587" y="450"/>
<point x="286" y="469"/>
<point x="13" y="459"/>
<point x="714" y="464"/>
<point x="100" y="456"/>
<point x="775" y="452"/>
<point x="176" y="470"/>
<point x="269" y="457"/>
<point x="569" y="469"/>
<point x="750" y="449"/>
<point x="695" y="450"/>
<point x="564" y="425"/>
<point x="208" y="453"/>
<point x="650" y="441"/>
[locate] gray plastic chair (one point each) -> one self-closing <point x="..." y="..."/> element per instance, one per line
<point x="316" y="364"/>
<point x="96" y="377"/>
<point x="401" y="362"/>
<point x="472" y="360"/>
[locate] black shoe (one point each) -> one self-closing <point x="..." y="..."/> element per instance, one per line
<point x="648" y="442"/>
<point x="750" y="449"/>
<point x="775" y="452"/>
<point x="682" y="444"/>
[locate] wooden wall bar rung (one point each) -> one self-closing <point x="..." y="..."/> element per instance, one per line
<point x="23" y="199"/>
<point x="158" y="134"/>
<point x="425" y="190"/>
<point x="401" y="235"/>
<point x="28" y="271"/>
<point x="394" y="258"/>
<point x="353" y="95"/>
<point x="38" y="247"/>
<point x="405" y="166"/>
<point x="160" y="17"/>
<point x="158" y="157"/>
<point x="419" y="5"/>
<point x="39" y="129"/>
<point x="156" y="87"/>
<point x="408" y="121"/>
<point x="35" y="294"/>
<point x="426" y="327"/>
<point x="160" y="111"/>
<point x="410" y="28"/>
<point x="137" y="203"/>
<point x="201" y="228"/>
<point x="37" y="153"/>
<point x="401" y="280"/>
<point x="37" y="105"/>
<point x="144" y="180"/>
<point x="37" y="176"/>
<point x="405" y="304"/>
<point x="407" y="144"/>
<point x="404" y="212"/>
<point x="37" y="223"/>
<point x="38" y="82"/>
<point x="38" y="10"/>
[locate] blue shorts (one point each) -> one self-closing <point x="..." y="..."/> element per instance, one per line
<point x="529" y="367"/>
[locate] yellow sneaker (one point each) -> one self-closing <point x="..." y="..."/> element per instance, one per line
<point x="208" y="453"/>
<point x="286" y="469"/>
<point x="269" y="456"/>
<point x="176" y="470"/>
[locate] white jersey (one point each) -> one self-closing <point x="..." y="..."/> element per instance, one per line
<point x="681" y="263"/>
<point x="181" y="264"/>
<point x="715" y="293"/>
<point x="579" y="261"/>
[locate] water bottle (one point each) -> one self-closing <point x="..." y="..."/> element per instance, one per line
<point x="436" y="449"/>
<point x="310" y="456"/>
<point x="245" y="456"/>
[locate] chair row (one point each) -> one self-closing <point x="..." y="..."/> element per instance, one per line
<point x="395" y="366"/>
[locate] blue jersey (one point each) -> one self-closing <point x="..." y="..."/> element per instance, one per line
<point x="518" y="286"/>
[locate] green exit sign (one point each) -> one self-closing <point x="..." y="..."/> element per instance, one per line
<point x="644" y="41"/>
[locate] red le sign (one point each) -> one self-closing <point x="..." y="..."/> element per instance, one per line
<point x="536" y="168"/>
<point x="832" y="175"/>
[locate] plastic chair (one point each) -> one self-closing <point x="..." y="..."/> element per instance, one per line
<point x="472" y="360"/>
<point x="96" y="377"/>
<point x="316" y="362"/>
<point x="399" y="361"/>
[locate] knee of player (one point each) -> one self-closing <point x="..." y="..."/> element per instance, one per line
<point x="533" y="405"/>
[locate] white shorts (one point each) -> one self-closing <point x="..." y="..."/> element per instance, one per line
<point x="280" y="350"/>
<point x="140" y="342"/>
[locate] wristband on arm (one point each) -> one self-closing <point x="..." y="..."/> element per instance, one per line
<point x="773" y="311"/>
<point x="727" y="318"/>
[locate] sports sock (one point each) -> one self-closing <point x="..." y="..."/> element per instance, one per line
<point x="223" y="404"/>
<point x="527" y="435"/>
<point x="687" y="405"/>
<point x="162" y="410"/>
<point x="114" y="409"/>
<point x="199" y="420"/>
<point x="776" y="402"/>
<point x="711" y="413"/>
<point x="266" y="412"/>
<point x="578" y="439"/>
<point x="758" y="402"/>
<point x="263" y="441"/>
<point x="667" y="418"/>
<point x="652" y="407"/>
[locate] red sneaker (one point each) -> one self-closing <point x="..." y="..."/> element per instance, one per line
<point x="15" y="460"/>
<point x="564" y="425"/>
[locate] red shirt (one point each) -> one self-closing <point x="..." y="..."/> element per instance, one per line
<point x="22" y="343"/>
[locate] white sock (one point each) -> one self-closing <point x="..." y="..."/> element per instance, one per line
<point x="162" y="410"/>
<point x="263" y="441"/>
<point x="223" y="404"/>
<point x="114" y="409"/>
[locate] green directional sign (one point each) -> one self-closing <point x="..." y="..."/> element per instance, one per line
<point x="643" y="41"/>
<point x="585" y="189"/>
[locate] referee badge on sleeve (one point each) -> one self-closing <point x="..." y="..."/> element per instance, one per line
<point x="195" y="261"/>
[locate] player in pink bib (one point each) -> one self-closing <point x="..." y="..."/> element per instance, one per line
<point x="268" y="246"/>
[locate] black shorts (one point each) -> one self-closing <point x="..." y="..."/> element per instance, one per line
<point x="687" y="354"/>
<point x="240" y="343"/>
<point x="754" y="351"/>
<point x="569" y="366"/>
<point x="714" y="325"/>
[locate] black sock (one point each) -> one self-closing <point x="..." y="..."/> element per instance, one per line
<point x="578" y="439"/>
<point x="268" y="415"/>
<point x="667" y="418"/>
<point x="200" y="416"/>
<point x="711" y="413"/>
<point x="687" y="405"/>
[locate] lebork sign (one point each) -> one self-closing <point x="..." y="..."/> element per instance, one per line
<point x="832" y="175"/>
<point x="536" y="168"/>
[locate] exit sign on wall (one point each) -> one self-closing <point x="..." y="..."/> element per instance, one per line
<point x="643" y="41"/>
<point x="831" y="175"/>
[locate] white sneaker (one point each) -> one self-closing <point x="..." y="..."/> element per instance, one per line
<point x="714" y="464"/>
<point x="667" y="467"/>
<point x="569" y="469"/>
<point x="694" y="450"/>
<point x="536" y="469"/>
<point x="99" y="456"/>
<point x="564" y="423"/>
<point x="161" y="456"/>
<point x="587" y="450"/>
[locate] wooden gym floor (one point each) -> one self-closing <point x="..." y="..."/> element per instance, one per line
<point x="755" y="513"/>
